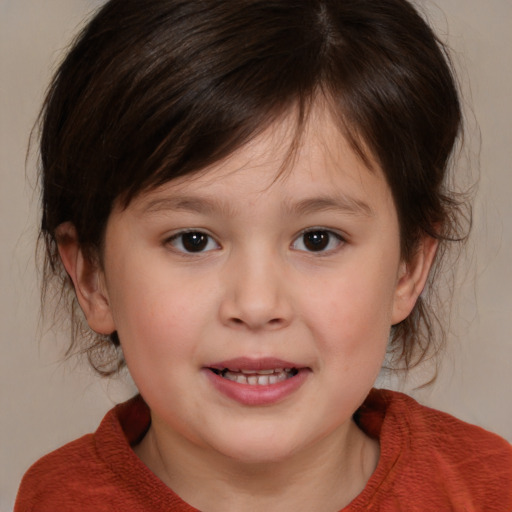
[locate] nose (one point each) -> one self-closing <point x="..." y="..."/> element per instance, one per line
<point x="255" y="293"/>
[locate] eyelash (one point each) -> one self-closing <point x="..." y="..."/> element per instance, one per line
<point x="322" y="238"/>
<point x="201" y="236"/>
<point x="327" y="237"/>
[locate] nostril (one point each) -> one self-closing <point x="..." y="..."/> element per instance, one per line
<point x="273" y="322"/>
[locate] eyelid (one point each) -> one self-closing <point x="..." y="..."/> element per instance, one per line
<point x="168" y="241"/>
<point x="340" y="237"/>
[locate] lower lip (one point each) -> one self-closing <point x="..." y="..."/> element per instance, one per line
<point x="247" y="394"/>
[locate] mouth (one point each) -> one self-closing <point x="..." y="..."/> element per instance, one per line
<point x="254" y="377"/>
<point x="257" y="381"/>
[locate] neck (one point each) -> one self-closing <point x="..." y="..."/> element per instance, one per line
<point x="325" y="476"/>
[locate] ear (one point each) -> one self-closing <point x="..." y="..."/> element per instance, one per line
<point x="88" y="280"/>
<point x="412" y="277"/>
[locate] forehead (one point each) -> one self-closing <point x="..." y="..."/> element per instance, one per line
<point x="316" y="162"/>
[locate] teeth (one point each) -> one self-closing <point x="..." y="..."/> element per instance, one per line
<point x="261" y="372"/>
<point x="260" y="377"/>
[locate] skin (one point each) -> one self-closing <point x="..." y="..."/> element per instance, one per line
<point x="257" y="290"/>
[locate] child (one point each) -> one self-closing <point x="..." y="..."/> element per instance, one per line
<point x="247" y="199"/>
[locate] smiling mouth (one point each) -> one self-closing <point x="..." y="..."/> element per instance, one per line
<point x="256" y="377"/>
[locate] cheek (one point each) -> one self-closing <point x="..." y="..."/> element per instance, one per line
<point x="352" y="314"/>
<point x="152" y="317"/>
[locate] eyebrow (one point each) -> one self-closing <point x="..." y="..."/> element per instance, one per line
<point x="206" y="206"/>
<point x="203" y="205"/>
<point x="337" y="203"/>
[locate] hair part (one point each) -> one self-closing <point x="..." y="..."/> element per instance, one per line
<point x="165" y="88"/>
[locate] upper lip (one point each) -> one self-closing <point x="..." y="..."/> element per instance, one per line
<point x="247" y="363"/>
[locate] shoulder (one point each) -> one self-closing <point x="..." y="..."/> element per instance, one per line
<point x="437" y="453"/>
<point x="61" y="476"/>
<point x="441" y="433"/>
<point x="84" y="474"/>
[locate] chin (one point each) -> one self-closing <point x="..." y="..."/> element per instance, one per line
<point x="257" y="455"/>
<point x="261" y="446"/>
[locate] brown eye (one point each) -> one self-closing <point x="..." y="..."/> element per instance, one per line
<point x="193" y="241"/>
<point x="317" y="240"/>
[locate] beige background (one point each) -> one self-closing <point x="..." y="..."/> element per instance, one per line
<point x="44" y="402"/>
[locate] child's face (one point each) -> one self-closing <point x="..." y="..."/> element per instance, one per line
<point x="235" y="269"/>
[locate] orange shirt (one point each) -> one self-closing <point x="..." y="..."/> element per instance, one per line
<point x="429" y="461"/>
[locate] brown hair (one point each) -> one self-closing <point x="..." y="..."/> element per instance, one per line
<point x="158" y="89"/>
